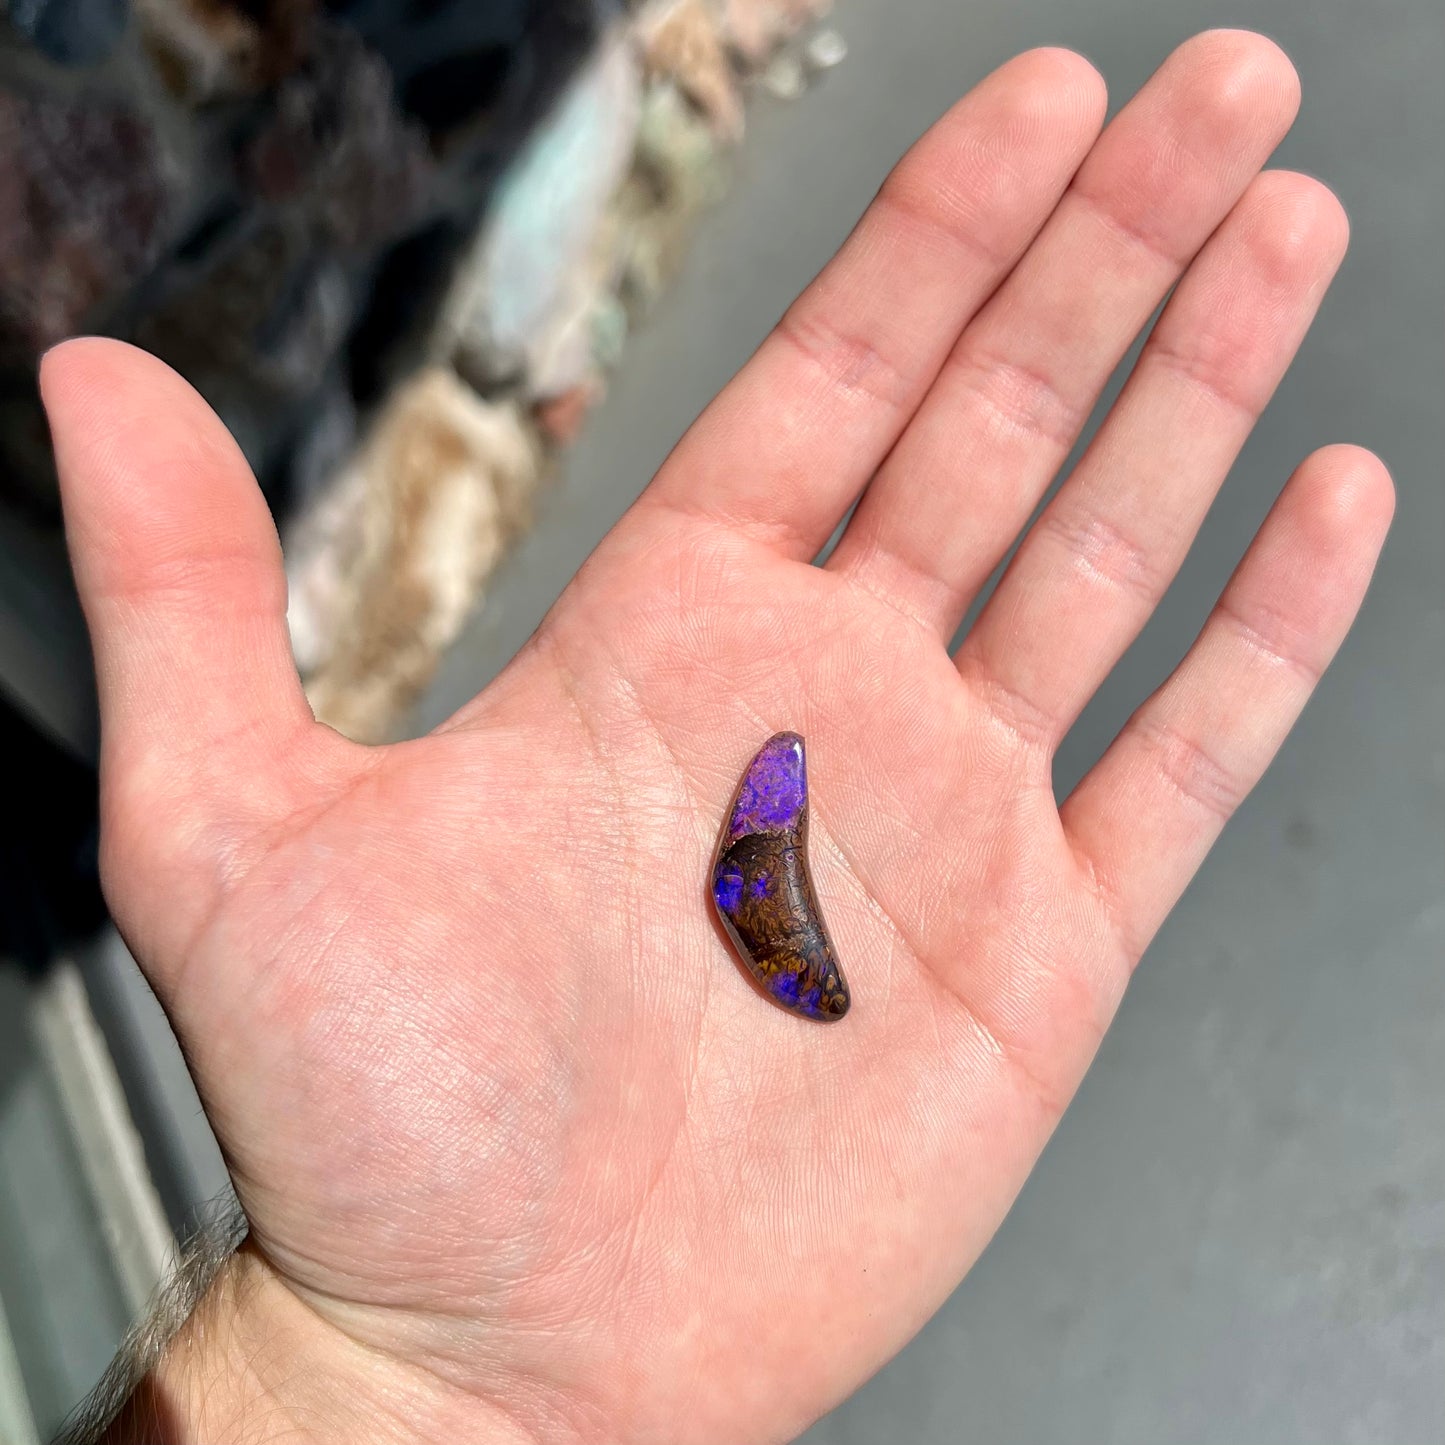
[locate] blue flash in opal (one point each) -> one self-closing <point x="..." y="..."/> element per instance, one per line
<point x="727" y="890"/>
<point x="785" y="989"/>
<point x="764" y="892"/>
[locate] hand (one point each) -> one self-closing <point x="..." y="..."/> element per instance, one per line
<point x="523" y="1152"/>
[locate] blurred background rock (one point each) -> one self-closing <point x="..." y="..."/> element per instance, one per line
<point x="308" y="208"/>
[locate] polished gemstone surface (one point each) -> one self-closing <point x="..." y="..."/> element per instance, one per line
<point x="764" y="892"/>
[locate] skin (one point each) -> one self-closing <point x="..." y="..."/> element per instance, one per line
<point x="525" y="1155"/>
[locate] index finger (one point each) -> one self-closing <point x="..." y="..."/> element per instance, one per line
<point x="793" y="439"/>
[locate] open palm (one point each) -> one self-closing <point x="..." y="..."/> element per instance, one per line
<point x="506" y="1116"/>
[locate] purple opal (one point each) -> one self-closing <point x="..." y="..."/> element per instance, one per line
<point x="763" y="891"/>
<point x="773" y="795"/>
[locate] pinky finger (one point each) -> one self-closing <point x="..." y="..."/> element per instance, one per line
<point x="1143" y="819"/>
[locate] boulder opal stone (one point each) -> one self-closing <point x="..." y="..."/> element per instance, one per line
<point x="763" y="891"/>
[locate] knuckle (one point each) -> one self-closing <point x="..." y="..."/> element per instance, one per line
<point x="846" y="362"/>
<point x="1271" y="635"/>
<point x="1028" y="724"/>
<point x="953" y="199"/>
<point x="1020" y="398"/>
<point x="1139" y="220"/>
<point x="1191" y="769"/>
<point x="1103" y="550"/>
<point x="1216" y="362"/>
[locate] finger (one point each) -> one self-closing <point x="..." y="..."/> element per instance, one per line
<point x="1023" y="377"/>
<point x="1145" y="816"/>
<point x="1092" y="569"/>
<point x="179" y="570"/>
<point x="790" y="442"/>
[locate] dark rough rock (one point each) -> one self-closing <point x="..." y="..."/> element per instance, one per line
<point x="84" y="208"/>
<point x="71" y="32"/>
<point x="270" y="194"/>
<point x="336" y="146"/>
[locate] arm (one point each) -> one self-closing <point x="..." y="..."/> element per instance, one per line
<point x="523" y="1152"/>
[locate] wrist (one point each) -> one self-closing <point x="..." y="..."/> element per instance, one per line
<point x="254" y="1363"/>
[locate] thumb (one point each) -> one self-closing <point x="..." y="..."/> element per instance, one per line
<point x="179" y="572"/>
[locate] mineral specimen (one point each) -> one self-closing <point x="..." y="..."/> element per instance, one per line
<point x="763" y="891"/>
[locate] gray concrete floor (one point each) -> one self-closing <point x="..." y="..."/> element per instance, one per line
<point x="1238" y="1234"/>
